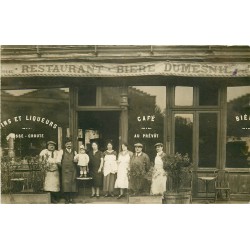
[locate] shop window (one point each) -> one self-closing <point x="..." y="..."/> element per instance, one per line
<point x="238" y="127"/>
<point x="183" y="96"/>
<point x="146" y="117"/>
<point x="34" y="117"/>
<point x="110" y="96"/>
<point x="207" y="140"/>
<point x="208" y="95"/>
<point x="184" y="134"/>
<point x="87" y="96"/>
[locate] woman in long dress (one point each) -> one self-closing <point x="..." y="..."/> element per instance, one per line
<point x="95" y="169"/>
<point x="109" y="170"/>
<point x="159" y="178"/>
<point x="122" y="172"/>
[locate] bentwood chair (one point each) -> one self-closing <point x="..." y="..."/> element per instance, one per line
<point x="222" y="184"/>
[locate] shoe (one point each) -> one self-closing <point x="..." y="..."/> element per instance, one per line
<point x="112" y="195"/>
<point x="106" y="195"/>
<point x="54" y="201"/>
<point x="71" y="201"/>
<point x="92" y="196"/>
<point x="120" y="196"/>
<point x="97" y="196"/>
<point x="66" y="201"/>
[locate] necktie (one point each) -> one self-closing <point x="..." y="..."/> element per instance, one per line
<point x="52" y="154"/>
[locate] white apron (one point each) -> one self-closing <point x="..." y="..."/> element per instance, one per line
<point x="159" y="177"/>
<point x="51" y="181"/>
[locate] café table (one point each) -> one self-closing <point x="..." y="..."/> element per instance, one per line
<point x="83" y="180"/>
<point x="207" y="179"/>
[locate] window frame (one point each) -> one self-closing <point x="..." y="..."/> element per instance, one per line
<point x="241" y="170"/>
<point x="196" y="109"/>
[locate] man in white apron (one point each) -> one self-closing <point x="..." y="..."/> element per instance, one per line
<point x="51" y="182"/>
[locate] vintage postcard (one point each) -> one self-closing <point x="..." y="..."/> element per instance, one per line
<point x="125" y="124"/>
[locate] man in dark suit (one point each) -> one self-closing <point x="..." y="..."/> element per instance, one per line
<point x="68" y="171"/>
<point x="141" y="161"/>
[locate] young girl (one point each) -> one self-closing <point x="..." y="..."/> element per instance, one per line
<point x="82" y="160"/>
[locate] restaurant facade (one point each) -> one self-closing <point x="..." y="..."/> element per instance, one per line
<point x="193" y="99"/>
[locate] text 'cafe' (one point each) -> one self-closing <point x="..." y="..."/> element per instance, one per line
<point x="193" y="99"/>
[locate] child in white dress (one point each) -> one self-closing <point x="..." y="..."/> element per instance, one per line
<point x="82" y="160"/>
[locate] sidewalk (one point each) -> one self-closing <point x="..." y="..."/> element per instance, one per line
<point x="81" y="199"/>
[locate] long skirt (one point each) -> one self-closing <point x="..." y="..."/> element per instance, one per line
<point x="122" y="176"/>
<point x="109" y="183"/>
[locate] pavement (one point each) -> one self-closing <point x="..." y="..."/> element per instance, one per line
<point x="86" y="199"/>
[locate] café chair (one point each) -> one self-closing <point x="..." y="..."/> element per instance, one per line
<point x="222" y="184"/>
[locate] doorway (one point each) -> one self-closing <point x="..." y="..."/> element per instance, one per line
<point x="99" y="126"/>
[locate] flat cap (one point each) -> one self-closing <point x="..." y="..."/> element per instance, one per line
<point x="159" y="144"/>
<point x="51" y="142"/>
<point x="138" y="145"/>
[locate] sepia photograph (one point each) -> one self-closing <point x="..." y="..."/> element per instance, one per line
<point x="125" y="124"/>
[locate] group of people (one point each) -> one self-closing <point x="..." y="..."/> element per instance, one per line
<point x="108" y="169"/>
<point x="60" y="171"/>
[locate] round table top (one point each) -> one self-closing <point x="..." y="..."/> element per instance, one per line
<point x="207" y="178"/>
<point x="84" y="178"/>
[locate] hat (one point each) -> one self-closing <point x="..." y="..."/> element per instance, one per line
<point x="138" y="145"/>
<point x="82" y="147"/>
<point x="159" y="144"/>
<point x="51" y="142"/>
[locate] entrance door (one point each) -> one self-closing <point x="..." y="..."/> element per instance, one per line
<point x="100" y="126"/>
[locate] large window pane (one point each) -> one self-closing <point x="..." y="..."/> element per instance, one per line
<point x="146" y="116"/>
<point x="34" y="116"/>
<point x="110" y="96"/>
<point x="207" y="140"/>
<point x="238" y="127"/>
<point x="183" y="96"/>
<point x="184" y="134"/>
<point x="208" y="95"/>
<point x="87" y="96"/>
